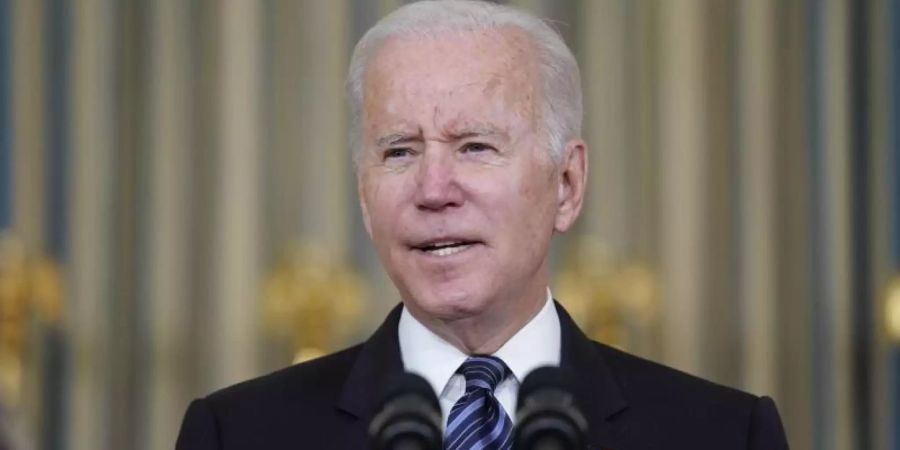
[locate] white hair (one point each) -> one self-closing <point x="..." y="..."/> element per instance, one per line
<point x="560" y="107"/>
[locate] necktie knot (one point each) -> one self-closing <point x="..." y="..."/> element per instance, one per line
<point x="483" y="372"/>
<point x="478" y="420"/>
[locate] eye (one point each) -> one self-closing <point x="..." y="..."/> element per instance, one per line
<point x="476" y="147"/>
<point x="393" y="153"/>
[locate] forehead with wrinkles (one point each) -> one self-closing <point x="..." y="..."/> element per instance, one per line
<point x="452" y="82"/>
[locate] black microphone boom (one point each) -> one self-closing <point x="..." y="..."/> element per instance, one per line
<point x="409" y="417"/>
<point x="547" y="415"/>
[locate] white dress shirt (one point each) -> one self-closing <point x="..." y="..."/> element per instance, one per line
<point x="425" y="353"/>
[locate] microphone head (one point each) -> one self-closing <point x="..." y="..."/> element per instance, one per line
<point x="409" y="416"/>
<point x="547" y="414"/>
<point x="546" y="377"/>
<point x="408" y="383"/>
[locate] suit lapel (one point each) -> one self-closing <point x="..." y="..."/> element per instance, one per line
<point x="377" y="363"/>
<point x="599" y="395"/>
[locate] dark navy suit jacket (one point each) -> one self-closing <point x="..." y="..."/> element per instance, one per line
<point x="630" y="403"/>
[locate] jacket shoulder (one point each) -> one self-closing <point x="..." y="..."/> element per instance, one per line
<point x="315" y="381"/>
<point x="642" y="379"/>
<point x="271" y="411"/>
<point x="667" y="405"/>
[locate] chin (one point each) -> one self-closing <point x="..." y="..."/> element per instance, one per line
<point x="450" y="304"/>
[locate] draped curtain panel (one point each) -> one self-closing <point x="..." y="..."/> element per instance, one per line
<point x="178" y="207"/>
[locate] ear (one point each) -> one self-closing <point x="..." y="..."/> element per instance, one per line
<point x="572" y="181"/>
<point x="363" y="206"/>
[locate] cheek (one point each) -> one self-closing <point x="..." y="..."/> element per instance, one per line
<point x="387" y="197"/>
<point x="380" y="206"/>
<point x="538" y="192"/>
<point x="537" y="207"/>
<point x="521" y="209"/>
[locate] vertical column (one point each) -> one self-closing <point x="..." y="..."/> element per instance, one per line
<point x="310" y="187"/>
<point x="603" y="65"/>
<point x="328" y="191"/>
<point x="860" y="263"/>
<point x="166" y="240"/>
<point x="328" y="182"/>
<point x="57" y="207"/>
<point x="831" y="226"/>
<point x="894" y="175"/>
<point x="720" y="310"/>
<point x="835" y="188"/>
<point x="126" y="310"/>
<point x="309" y="133"/>
<point x="234" y="310"/>
<point x="8" y="427"/>
<point x="6" y="127"/>
<point x="28" y="100"/>
<point x="683" y="210"/>
<point x="90" y="270"/>
<point x="643" y="131"/>
<point x="287" y="152"/>
<point x="642" y="141"/>
<point x="204" y="96"/>
<point x="756" y="149"/>
<point x="793" y="202"/>
<point x="879" y="232"/>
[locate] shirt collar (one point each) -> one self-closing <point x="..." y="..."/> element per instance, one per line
<point x="536" y="344"/>
<point x="427" y="354"/>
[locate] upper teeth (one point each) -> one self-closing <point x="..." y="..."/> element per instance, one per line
<point x="445" y="244"/>
<point x="449" y="249"/>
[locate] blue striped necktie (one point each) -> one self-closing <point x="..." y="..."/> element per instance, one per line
<point x="478" y="421"/>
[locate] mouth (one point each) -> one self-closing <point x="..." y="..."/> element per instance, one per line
<point x="446" y="247"/>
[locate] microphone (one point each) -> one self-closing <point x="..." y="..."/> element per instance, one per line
<point x="409" y="417"/>
<point x="547" y="417"/>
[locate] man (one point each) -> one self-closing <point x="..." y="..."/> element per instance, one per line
<point x="466" y="127"/>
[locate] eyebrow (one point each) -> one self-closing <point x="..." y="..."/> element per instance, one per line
<point x="476" y="132"/>
<point x="401" y="138"/>
<point x="394" y="139"/>
<point x="466" y="130"/>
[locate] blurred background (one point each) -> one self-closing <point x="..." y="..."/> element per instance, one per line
<point x="178" y="208"/>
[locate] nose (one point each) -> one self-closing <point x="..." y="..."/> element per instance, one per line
<point x="438" y="186"/>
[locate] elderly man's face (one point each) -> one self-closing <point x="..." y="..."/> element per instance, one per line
<point x="458" y="191"/>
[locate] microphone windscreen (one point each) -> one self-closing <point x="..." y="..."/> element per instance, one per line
<point x="408" y="418"/>
<point x="547" y="414"/>
<point x="408" y="383"/>
<point x="543" y="378"/>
